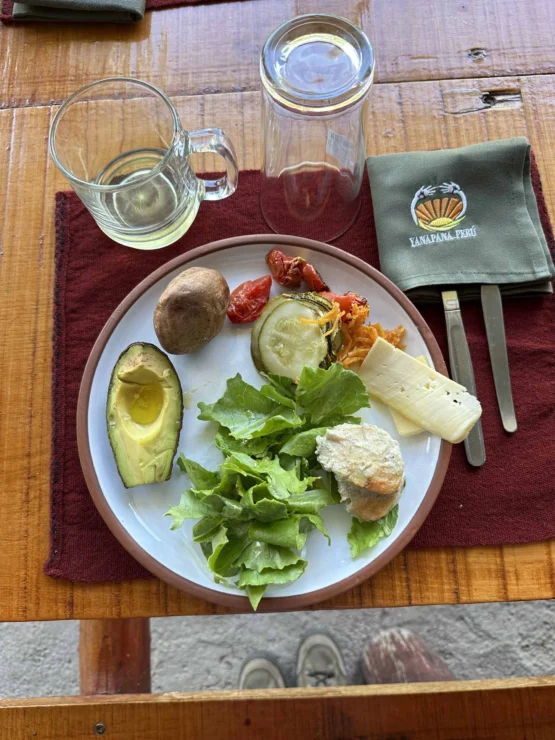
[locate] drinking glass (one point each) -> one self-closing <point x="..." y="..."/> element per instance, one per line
<point x="121" y="145"/>
<point x="316" y="72"/>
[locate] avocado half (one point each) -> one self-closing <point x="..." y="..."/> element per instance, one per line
<point x="144" y="414"/>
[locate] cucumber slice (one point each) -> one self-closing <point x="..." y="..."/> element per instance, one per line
<point x="336" y="344"/>
<point x="323" y="306"/>
<point x="318" y="300"/>
<point x="318" y="304"/>
<point x="255" y="333"/>
<point x="284" y="344"/>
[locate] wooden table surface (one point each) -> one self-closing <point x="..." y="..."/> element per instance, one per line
<point x="448" y="74"/>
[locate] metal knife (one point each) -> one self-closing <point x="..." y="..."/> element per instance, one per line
<point x="492" y="308"/>
<point x="462" y="371"/>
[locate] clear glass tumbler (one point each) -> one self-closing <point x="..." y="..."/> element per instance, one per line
<point x="121" y="145"/>
<point x="316" y="72"/>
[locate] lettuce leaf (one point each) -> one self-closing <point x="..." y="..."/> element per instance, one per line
<point x="206" y="528"/>
<point x="281" y="383"/>
<point x="281" y="483"/>
<point x="255" y="594"/>
<point x="303" y="444"/>
<point x="330" y="484"/>
<point x="226" y="549"/>
<point x="336" y="419"/>
<point x="247" y="412"/>
<point x="260" y="555"/>
<point x="219" y="541"/>
<point x="257" y="493"/>
<point x="198" y="504"/>
<point x="278" y="396"/>
<point x="272" y="575"/>
<point x="228" y="508"/>
<point x="364" y="535"/>
<point x="283" y="533"/>
<point x="257" y="501"/>
<point x="335" y="391"/>
<point x="310" y="502"/>
<point x="199" y="476"/>
<point x="268" y="510"/>
<point x="255" y="447"/>
<point x="311" y="521"/>
<point x="189" y="507"/>
<point x="290" y="533"/>
<point x="226" y="485"/>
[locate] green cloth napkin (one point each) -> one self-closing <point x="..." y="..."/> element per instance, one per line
<point x="91" y="11"/>
<point x="460" y="218"/>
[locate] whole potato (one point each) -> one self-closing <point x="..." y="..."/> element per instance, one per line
<point x="191" y="311"/>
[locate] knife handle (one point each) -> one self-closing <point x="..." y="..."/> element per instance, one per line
<point x="462" y="372"/>
<point x="492" y="308"/>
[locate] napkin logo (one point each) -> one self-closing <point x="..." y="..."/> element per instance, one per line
<point x="439" y="207"/>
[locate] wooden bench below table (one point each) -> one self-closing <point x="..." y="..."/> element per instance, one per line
<point x="510" y="709"/>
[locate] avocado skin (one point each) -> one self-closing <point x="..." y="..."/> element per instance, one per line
<point x="174" y="408"/>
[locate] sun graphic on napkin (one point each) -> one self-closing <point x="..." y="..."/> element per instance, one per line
<point x="439" y="207"/>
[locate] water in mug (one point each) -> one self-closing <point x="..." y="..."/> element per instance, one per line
<point x="154" y="213"/>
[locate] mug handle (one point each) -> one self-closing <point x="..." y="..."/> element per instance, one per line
<point x="216" y="141"/>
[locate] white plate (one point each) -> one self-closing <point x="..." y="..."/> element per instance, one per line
<point x="136" y="516"/>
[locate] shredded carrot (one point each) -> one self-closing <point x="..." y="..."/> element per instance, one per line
<point x="359" y="337"/>
<point x="334" y="314"/>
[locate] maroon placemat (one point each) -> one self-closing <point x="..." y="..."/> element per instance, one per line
<point x="511" y="499"/>
<point x="7" y="6"/>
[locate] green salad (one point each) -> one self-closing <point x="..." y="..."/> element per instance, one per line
<point x="255" y="511"/>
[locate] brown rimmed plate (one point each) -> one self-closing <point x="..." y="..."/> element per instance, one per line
<point x="136" y="516"/>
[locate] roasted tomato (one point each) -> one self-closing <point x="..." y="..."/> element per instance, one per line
<point x="346" y="301"/>
<point x="248" y="299"/>
<point x="312" y="278"/>
<point x="285" y="270"/>
<point x="290" y="271"/>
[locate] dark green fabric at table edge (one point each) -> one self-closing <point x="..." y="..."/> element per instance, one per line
<point x="92" y="11"/>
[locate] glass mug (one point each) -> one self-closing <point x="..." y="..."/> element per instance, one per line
<point x="316" y="72"/>
<point x="120" y="144"/>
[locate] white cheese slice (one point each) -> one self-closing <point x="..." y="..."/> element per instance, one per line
<point x="423" y="395"/>
<point x="406" y="428"/>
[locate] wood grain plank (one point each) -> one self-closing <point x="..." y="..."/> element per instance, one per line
<point x="402" y="116"/>
<point x="510" y="709"/>
<point x="26" y="327"/>
<point x="452" y="40"/>
<point x="214" y="48"/>
<point x="114" y="656"/>
<point x="193" y="50"/>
